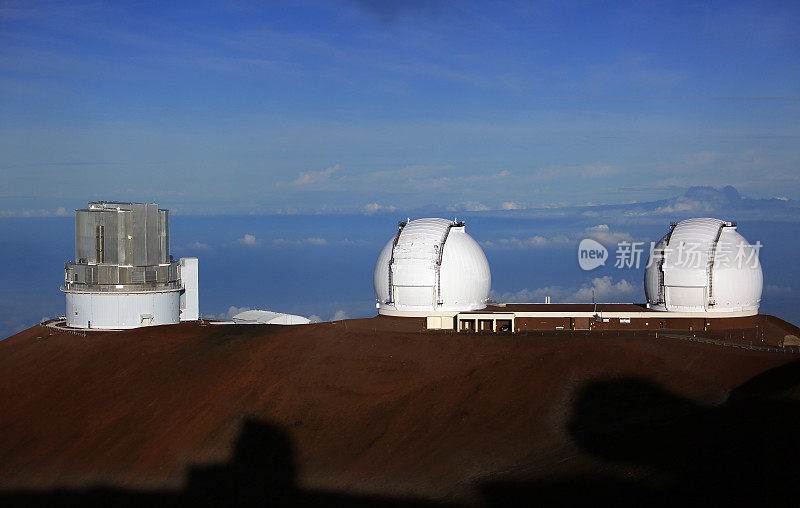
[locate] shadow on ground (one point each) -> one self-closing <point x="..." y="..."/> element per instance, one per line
<point x="647" y="446"/>
<point x="261" y="472"/>
<point x="658" y="449"/>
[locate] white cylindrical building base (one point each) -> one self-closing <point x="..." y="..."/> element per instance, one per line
<point x="122" y="310"/>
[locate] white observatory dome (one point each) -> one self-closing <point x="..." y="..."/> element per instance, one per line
<point x="703" y="265"/>
<point x="431" y="265"/>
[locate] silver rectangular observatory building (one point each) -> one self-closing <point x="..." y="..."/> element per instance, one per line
<point x="123" y="275"/>
<point x="121" y="243"/>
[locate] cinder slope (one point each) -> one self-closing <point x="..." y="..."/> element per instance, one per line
<point x="368" y="407"/>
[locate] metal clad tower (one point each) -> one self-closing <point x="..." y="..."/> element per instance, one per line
<point x="123" y="275"/>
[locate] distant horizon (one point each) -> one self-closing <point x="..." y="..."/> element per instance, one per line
<point x="727" y="195"/>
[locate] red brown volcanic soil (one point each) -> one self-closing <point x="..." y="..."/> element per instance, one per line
<point x="369" y="406"/>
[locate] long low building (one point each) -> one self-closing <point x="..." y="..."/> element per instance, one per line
<point x="519" y="317"/>
<point x="702" y="275"/>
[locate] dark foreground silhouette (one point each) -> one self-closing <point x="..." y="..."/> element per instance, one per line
<point x="659" y="449"/>
<point x="644" y="446"/>
<point x="261" y="472"/>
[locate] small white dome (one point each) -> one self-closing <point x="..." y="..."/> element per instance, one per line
<point x="432" y="265"/>
<point x="703" y="265"/>
<point x="267" y="317"/>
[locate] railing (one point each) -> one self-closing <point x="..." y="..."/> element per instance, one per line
<point x="730" y="339"/>
<point x="739" y="345"/>
<point x="59" y="325"/>
<point x="662" y="298"/>
<point x="439" y="264"/>
<point x="122" y="288"/>
<point x="710" y="266"/>
<point x="107" y="273"/>
<point x="400" y="227"/>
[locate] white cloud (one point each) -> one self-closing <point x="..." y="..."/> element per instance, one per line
<point x="314" y="318"/>
<point x="249" y="239"/>
<point x="199" y="246"/>
<point x="696" y="200"/>
<point x="313" y="177"/>
<point x="511" y="205"/>
<point x="603" y="234"/>
<point x="475" y="206"/>
<point x="525" y="243"/>
<point x="339" y="315"/>
<point x="529" y="295"/>
<point x="375" y="207"/>
<point x="679" y="205"/>
<point x="605" y="289"/>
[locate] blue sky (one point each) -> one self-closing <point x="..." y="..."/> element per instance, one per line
<point x="332" y="106"/>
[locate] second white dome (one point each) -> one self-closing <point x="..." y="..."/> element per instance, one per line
<point x="432" y="265"/>
<point x="704" y="265"/>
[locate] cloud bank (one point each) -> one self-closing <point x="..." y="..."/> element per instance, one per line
<point x="605" y="290"/>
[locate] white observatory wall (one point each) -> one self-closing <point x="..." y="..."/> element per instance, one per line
<point x="190" y="297"/>
<point x="736" y="283"/>
<point x="122" y="310"/>
<point x="380" y="277"/>
<point x="465" y="275"/>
